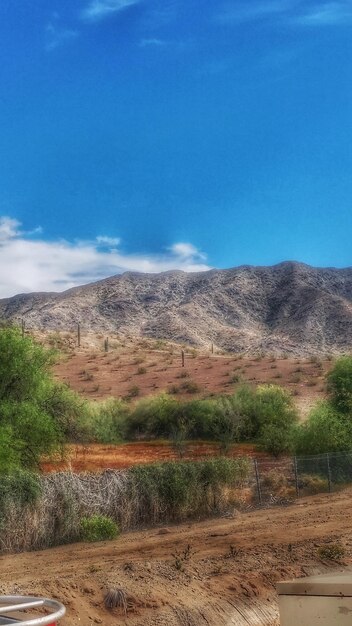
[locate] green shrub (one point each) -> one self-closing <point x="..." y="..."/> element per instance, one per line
<point x="339" y="382"/>
<point x="177" y="490"/>
<point x="20" y="488"/>
<point x="106" y="421"/>
<point x="324" y="431"/>
<point x="98" y="528"/>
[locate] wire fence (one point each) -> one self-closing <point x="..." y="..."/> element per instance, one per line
<point x="283" y="480"/>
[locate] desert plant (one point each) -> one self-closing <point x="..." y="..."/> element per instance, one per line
<point x="324" y="431"/>
<point x="331" y="552"/>
<point x="189" y="386"/>
<point x="339" y="382"/>
<point x="98" y="528"/>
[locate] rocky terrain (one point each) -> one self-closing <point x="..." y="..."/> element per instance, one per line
<point x="290" y="307"/>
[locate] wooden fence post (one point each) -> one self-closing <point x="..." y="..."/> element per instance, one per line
<point x="183" y="357"/>
<point x="79" y="335"/>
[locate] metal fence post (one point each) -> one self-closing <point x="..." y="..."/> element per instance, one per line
<point x="329" y="471"/>
<point x="296" y="475"/>
<point x="258" y="482"/>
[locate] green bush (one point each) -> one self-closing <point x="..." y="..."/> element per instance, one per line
<point x="98" y="528"/>
<point x="176" y="490"/>
<point x="324" y="431"/>
<point x="106" y="422"/>
<point x="20" y="488"/>
<point x="339" y="385"/>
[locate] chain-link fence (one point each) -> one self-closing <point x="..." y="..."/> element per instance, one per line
<point x="283" y="480"/>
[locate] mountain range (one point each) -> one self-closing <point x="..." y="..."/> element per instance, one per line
<point x="287" y="308"/>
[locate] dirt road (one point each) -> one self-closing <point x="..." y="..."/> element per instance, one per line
<point x="226" y="577"/>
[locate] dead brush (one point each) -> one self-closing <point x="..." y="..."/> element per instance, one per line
<point x="181" y="557"/>
<point x="116" y="599"/>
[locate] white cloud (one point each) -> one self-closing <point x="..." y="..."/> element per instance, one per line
<point x="31" y="264"/>
<point x="9" y="228"/>
<point x="56" y="36"/>
<point x="186" y="250"/>
<point x="108" y="241"/>
<point x="99" y="9"/>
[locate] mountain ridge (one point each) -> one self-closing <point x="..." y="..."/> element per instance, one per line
<point x="288" y="307"/>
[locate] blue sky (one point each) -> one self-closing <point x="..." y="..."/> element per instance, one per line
<point x="158" y="134"/>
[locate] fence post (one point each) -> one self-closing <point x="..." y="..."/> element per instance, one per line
<point x="79" y="335"/>
<point x="106" y="345"/>
<point x="296" y="475"/>
<point x="329" y="471"/>
<point x="258" y="482"/>
<point x="183" y="357"/>
<point x="212" y="348"/>
<point x="23" y="327"/>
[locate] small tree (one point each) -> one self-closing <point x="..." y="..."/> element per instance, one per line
<point x="340" y="385"/>
<point x="324" y="431"/>
<point x="28" y="426"/>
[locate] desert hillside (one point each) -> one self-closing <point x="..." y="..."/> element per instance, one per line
<point x="290" y="307"/>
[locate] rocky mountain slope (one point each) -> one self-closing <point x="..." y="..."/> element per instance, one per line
<point x="289" y="307"/>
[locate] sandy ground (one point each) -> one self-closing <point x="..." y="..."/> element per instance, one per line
<point x="228" y="578"/>
<point x="140" y="368"/>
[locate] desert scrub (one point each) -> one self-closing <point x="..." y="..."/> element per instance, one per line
<point x="180" y="490"/>
<point x="98" y="528"/>
<point x="19" y="488"/>
<point x="331" y="552"/>
<point x="189" y="386"/>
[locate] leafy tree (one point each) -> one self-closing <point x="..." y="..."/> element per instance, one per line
<point x="277" y="418"/>
<point x="28" y="424"/>
<point x="228" y="422"/>
<point x="324" y="431"/>
<point x="340" y="385"/>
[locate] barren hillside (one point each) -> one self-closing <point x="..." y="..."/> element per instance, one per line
<point x="290" y="307"/>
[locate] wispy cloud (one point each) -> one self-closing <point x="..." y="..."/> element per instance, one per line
<point x="289" y="12"/>
<point x="152" y="42"/>
<point x="253" y="11"/>
<point x="328" y="14"/>
<point x="100" y="9"/>
<point x="36" y="264"/>
<point x="56" y="36"/>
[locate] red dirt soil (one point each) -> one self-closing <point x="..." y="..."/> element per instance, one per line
<point x="97" y="457"/>
<point x="228" y="578"/>
<point x="142" y="368"/>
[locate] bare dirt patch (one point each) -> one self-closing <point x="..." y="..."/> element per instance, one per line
<point x="97" y="457"/>
<point x="228" y="577"/>
<point x="136" y="368"/>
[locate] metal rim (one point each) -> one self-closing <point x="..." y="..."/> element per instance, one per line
<point x="11" y="604"/>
